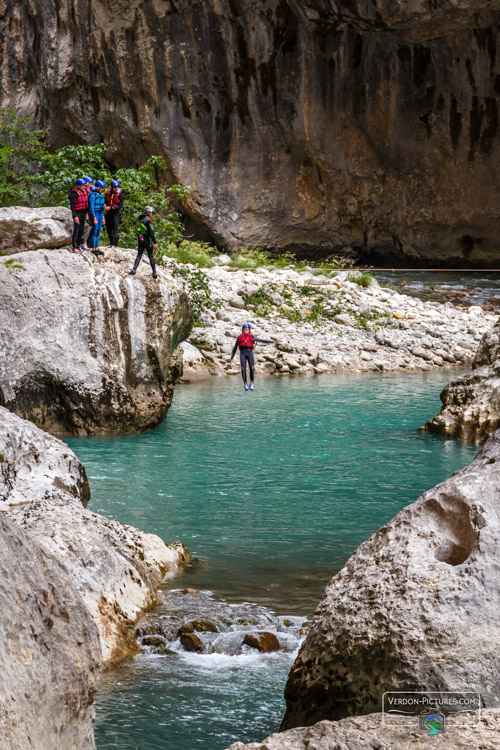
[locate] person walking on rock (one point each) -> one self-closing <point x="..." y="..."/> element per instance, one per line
<point x="114" y="198"/>
<point x="246" y="343"/>
<point x="89" y="187"/>
<point x="79" y="202"/>
<point x="146" y="239"/>
<point x="96" y="216"/>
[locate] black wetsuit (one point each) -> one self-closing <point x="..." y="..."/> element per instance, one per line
<point x="246" y="355"/>
<point x="146" y="243"/>
<point x="112" y="220"/>
<point x="78" y="229"/>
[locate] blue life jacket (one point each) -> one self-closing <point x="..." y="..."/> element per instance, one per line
<point x="96" y="202"/>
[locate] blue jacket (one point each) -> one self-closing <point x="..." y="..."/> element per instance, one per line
<point x="96" y="203"/>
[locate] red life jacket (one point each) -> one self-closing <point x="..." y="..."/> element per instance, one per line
<point x="246" y="339"/>
<point x="82" y="198"/>
<point x="112" y="199"/>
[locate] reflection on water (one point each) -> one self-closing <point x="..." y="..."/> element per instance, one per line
<point x="272" y="491"/>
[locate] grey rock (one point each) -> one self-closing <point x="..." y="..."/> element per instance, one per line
<point x="86" y="348"/>
<point x="293" y="364"/>
<point x="223" y="315"/>
<point x="479" y="731"/>
<point x="116" y="569"/>
<point x="365" y="309"/>
<point x="221" y="260"/>
<point x="401" y="613"/>
<point x="418" y="351"/>
<point x="471" y="403"/>
<point x="366" y="356"/>
<point x="237" y="301"/>
<point x="49" y="660"/>
<point x="32" y="228"/>
<point x="344" y="319"/>
<point x="369" y="346"/>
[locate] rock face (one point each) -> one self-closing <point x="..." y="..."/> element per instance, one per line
<point x="471" y="403"/>
<point x="49" y="660"/>
<point x="415" y="608"/>
<point x="32" y="228"/>
<point x="86" y="348"/>
<point x="367" y="733"/>
<point x="114" y="569"/>
<point x="312" y="126"/>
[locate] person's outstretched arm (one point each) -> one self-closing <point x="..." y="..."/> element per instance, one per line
<point x="263" y="341"/>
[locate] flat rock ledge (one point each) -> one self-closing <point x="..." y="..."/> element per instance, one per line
<point x="415" y="607"/>
<point x="328" y="324"/>
<point x="471" y="403"/>
<point x="114" y="569"/>
<point x="85" y="348"/>
<point x="24" y="228"/>
<point x="481" y="732"/>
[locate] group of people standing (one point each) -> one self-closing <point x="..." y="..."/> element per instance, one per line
<point x="93" y="204"/>
<point x="90" y="203"/>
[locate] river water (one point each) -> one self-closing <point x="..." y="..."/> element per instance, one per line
<point x="271" y="491"/>
<point x="482" y="288"/>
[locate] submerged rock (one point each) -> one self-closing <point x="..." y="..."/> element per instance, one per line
<point x="368" y="733"/>
<point x="116" y="569"/>
<point x="202" y="625"/>
<point x="49" y="659"/>
<point x="86" y="348"/>
<point x="24" y="228"/>
<point x="265" y="642"/>
<point x="471" y="403"/>
<point x="415" y="607"/>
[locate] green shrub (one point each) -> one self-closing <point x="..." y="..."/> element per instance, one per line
<point x="196" y="253"/>
<point x="363" y="278"/>
<point x="21" y="153"/>
<point x="252" y="257"/>
<point x="197" y="287"/>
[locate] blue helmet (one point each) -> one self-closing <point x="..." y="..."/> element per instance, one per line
<point x="80" y="181"/>
<point x="246" y="325"/>
<point x="88" y="179"/>
<point x="115" y="183"/>
<point x="100" y="183"/>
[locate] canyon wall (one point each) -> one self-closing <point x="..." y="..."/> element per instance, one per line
<point x="311" y="126"/>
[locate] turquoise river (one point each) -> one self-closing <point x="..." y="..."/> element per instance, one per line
<point x="271" y="491"/>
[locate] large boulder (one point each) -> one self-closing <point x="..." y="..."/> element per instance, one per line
<point x="368" y="733"/>
<point x="115" y="569"/>
<point x="49" y="657"/>
<point x="32" y="228"/>
<point x="415" y="607"/>
<point x="471" y="402"/>
<point x="85" y="347"/>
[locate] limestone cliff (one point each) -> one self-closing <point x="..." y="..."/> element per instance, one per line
<point x="84" y="347"/>
<point x="471" y="402"/>
<point x="309" y="125"/>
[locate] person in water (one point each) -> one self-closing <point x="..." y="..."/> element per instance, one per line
<point x="246" y="343"/>
<point x="146" y="240"/>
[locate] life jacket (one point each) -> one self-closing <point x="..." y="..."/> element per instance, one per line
<point x="82" y="198"/>
<point x="246" y="339"/>
<point x="112" y="199"/>
<point x="98" y="202"/>
<point x="142" y="230"/>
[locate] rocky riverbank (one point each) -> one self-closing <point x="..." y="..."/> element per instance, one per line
<point x="471" y="403"/>
<point x="84" y="347"/>
<point x="114" y="569"/>
<point x="328" y="323"/>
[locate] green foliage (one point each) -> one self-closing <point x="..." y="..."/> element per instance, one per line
<point x="64" y="166"/>
<point x="363" y="278"/>
<point x="196" y="253"/>
<point x="12" y="265"/>
<point x="252" y="257"/>
<point x="293" y="314"/>
<point x="21" y="153"/>
<point x="261" y="301"/>
<point x="196" y="285"/>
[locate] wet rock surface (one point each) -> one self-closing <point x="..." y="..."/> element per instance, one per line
<point x="84" y="347"/>
<point x="24" y="228"/>
<point x="115" y="569"/>
<point x="337" y="326"/>
<point x="318" y="126"/>
<point x="471" y="403"/>
<point x="367" y="733"/>
<point x="415" y="607"/>
<point x="49" y="660"/>
<point x="265" y="642"/>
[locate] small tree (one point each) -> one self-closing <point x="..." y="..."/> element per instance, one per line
<point x="21" y="152"/>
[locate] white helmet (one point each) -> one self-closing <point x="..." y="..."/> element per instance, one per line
<point x="149" y="210"/>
